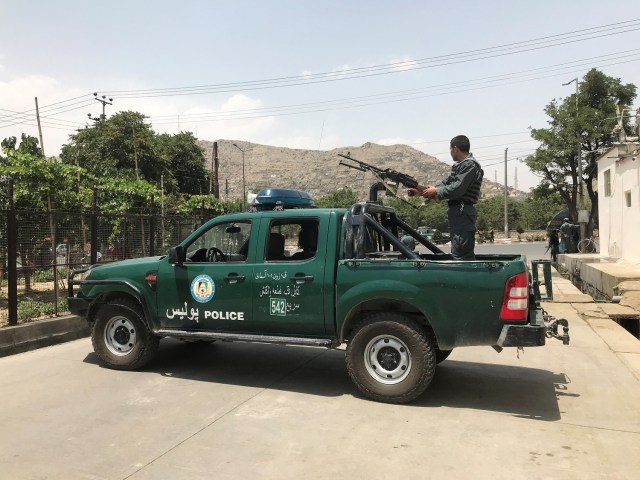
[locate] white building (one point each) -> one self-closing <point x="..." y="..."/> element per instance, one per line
<point x="619" y="201"/>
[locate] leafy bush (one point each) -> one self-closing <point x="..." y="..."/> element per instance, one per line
<point x="32" y="309"/>
<point x="42" y="276"/>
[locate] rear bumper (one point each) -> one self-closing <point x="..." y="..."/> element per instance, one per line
<point x="522" y="336"/>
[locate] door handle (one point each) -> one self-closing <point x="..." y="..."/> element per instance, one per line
<point x="234" y="278"/>
<point x="300" y="278"/>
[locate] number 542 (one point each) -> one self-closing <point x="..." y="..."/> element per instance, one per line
<point x="278" y="306"/>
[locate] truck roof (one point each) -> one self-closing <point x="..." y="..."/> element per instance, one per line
<point x="288" y="213"/>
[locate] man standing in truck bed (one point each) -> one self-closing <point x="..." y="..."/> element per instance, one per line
<point x="461" y="189"/>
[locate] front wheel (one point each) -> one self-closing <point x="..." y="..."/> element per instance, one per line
<point x="391" y="358"/>
<point x="120" y="336"/>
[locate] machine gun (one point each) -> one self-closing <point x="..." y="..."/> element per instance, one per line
<point x="385" y="176"/>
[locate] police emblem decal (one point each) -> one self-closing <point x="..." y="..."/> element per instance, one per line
<point x="202" y="288"/>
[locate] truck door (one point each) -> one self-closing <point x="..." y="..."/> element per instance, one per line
<point x="289" y="278"/>
<point x="211" y="290"/>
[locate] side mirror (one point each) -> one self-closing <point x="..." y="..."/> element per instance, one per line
<point x="176" y="255"/>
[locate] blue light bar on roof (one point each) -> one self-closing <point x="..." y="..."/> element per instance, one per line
<point x="270" y="198"/>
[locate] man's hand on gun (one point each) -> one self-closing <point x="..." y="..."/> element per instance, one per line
<point x="429" y="191"/>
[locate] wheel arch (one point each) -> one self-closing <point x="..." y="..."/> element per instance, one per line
<point x="129" y="292"/>
<point x="376" y="305"/>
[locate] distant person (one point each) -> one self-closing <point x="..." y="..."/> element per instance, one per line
<point x="568" y="232"/>
<point x="461" y="189"/>
<point x="408" y="242"/>
<point x="491" y="237"/>
<point x="554" y="245"/>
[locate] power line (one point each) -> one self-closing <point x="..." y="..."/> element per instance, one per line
<point x="447" y="85"/>
<point x="314" y="106"/>
<point x="18" y="116"/>
<point x="388" y="97"/>
<point x="398" y="67"/>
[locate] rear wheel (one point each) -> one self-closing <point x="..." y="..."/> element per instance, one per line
<point x="120" y="336"/>
<point x="391" y="358"/>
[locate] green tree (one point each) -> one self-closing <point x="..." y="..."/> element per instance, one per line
<point x="424" y="214"/>
<point x="28" y="144"/>
<point x="38" y="186"/>
<point x="186" y="163"/>
<point x="599" y="97"/>
<point x="343" y="198"/>
<point x="540" y="207"/>
<point x="204" y="205"/>
<point x="491" y="213"/>
<point x="115" y="147"/>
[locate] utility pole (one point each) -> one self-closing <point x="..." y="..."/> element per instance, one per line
<point x="39" y="128"/>
<point x="135" y="152"/>
<point x="244" y="191"/>
<point x="506" y="218"/>
<point x="104" y="103"/>
<point x="214" y="183"/>
<point x="162" y="207"/>
<point x="581" y="215"/>
<point x="515" y="180"/>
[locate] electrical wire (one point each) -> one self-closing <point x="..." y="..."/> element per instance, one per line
<point x="429" y="62"/>
<point x="359" y="102"/>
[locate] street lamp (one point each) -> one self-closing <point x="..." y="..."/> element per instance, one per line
<point x="580" y="196"/>
<point x="244" y="192"/>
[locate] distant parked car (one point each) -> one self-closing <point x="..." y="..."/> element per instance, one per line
<point x="427" y="232"/>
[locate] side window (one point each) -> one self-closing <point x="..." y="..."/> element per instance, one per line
<point x="224" y="242"/>
<point x="607" y="182"/>
<point x="292" y="240"/>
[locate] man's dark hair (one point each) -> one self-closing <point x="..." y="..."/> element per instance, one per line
<point x="461" y="142"/>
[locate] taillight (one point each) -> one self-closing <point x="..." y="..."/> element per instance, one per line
<point x="515" y="302"/>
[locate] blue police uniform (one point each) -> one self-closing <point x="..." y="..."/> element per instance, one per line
<point x="462" y="190"/>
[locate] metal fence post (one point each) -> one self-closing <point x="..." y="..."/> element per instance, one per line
<point x="53" y="222"/>
<point x="152" y="229"/>
<point x="94" y="228"/>
<point x="12" y="254"/>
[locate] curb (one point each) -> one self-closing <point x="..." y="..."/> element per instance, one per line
<point x="42" y="333"/>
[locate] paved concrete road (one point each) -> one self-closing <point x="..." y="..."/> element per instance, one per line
<point x="533" y="250"/>
<point x="229" y="411"/>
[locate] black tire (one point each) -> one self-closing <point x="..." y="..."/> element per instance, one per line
<point x="391" y="358"/>
<point x="120" y="336"/>
<point x="442" y="355"/>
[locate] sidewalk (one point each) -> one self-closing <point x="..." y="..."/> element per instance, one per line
<point x="605" y="276"/>
<point x="41" y="333"/>
<point x="582" y="312"/>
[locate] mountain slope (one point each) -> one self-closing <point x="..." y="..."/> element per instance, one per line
<point x="318" y="172"/>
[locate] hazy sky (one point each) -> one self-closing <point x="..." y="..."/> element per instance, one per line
<point x="320" y="74"/>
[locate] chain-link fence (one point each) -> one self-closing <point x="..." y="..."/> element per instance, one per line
<point x="38" y="249"/>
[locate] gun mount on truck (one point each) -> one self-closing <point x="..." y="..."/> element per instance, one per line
<point x="384" y="176"/>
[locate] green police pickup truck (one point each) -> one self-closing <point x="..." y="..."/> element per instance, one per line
<point x="315" y="277"/>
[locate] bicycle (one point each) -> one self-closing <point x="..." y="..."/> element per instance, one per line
<point x="588" y="245"/>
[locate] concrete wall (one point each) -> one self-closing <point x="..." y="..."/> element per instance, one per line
<point x="619" y="222"/>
